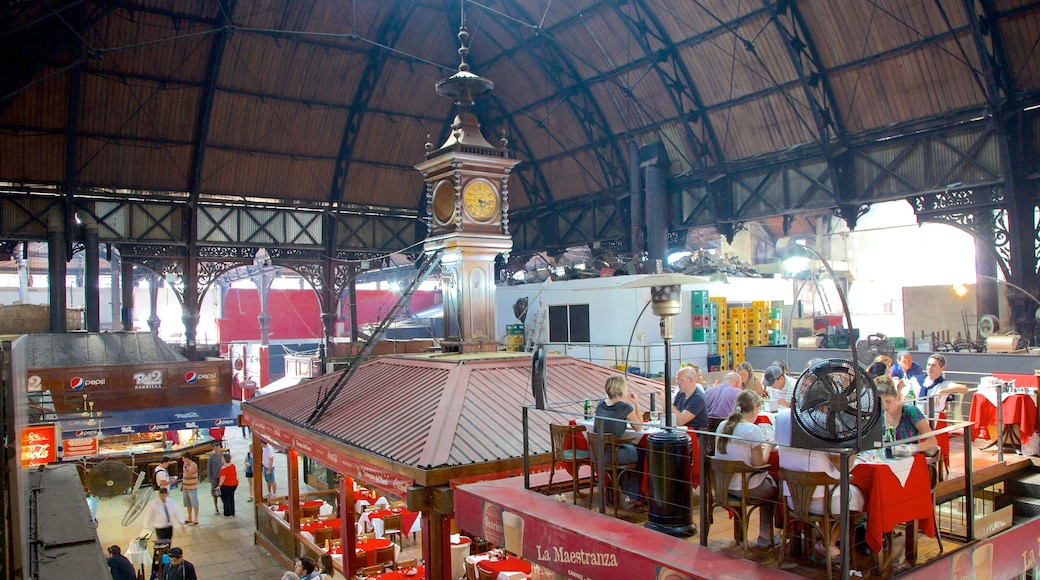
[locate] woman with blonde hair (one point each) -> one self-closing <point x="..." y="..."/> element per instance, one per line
<point x="749" y="446"/>
<point x="751" y="383"/>
<point x="617" y="413"/>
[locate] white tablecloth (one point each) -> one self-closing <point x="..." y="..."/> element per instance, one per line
<point x="361" y="504"/>
<point x="376" y="525"/>
<point x="137" y="553"/>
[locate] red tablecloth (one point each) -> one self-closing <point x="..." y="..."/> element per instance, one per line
<point x="407" y="518"/>
<point x="1018" y="410"/>
<point x="369" y="548"/>
<point x="407" y="574"/>
<point x="311" y="526"/>
<point x="303" y="504"/>
<point x="508" y="564"/>
<point x="888" y="503"/>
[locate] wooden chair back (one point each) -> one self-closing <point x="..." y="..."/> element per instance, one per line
<point x="483" y="574"/>
<point x="404" y="564"/>
<point x="386" y="555"/>
<point x="310" y="511"/>
<point x="713" y="426"/>
<point x="323" y="535"/>
<point x="608" y="444"/>
<point x="392" y="527"/>
<point x="801" y="487"/>
<point x="720" y="474"/>
<point x="561" y="435"/>
<point x="372" y="570"/>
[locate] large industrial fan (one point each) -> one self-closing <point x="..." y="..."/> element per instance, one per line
<point x="834" y="406"/>
<point x="138" y="499"/>
<point x="109" y="479"/>
<point x="873" y="346"/>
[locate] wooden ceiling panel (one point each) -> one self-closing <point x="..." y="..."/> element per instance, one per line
<point x="33" y="158"/>
<point x="597" y="35"/>
<point x="628" y="109"/>
<point x="152" y="45"/>
<point x="411" y="91"/>
<point x="137" y="109"/>
<point x="723" y="69"/>
<point x="383" y="186"/>
<point x="1023" y="57"/>
<point x="907" y="87"/>
<point x="391" y="140"/>
<point x="273" y="126"/>
<point x="567" y="175"/>
<point x="99" y="160"/>
<point x="681" y="20"/>
<point x="848" y="31"/>
<point x="41" y="107"/>
<point x="262" y="175"/>
<point x="761" y="125"/>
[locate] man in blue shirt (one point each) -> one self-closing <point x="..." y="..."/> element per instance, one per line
<point x="689" y="406"/>
<point x="907" y="368"/>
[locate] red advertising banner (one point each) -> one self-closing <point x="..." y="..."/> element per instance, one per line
<point x="1007" y="554"/>
<point x="579" y="544"/>
<point x="80" y="447"/>
<point x="39" y="445"/>
<point x="336" y="460"/>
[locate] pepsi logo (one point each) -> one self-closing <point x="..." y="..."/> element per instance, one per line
<point x="190" y="377"/>
<point x="159" y="427"/>
<point x="76" y="383"/>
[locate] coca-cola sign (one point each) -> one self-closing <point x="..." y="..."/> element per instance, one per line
<point x="39" y="445"/>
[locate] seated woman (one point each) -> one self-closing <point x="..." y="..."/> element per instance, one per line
<point x="751" y="382"/>
<point x="814" y="461"/>
<point x="614" y="416"/>
<point x="907" y="420"/>
<point x="751" y="449"/>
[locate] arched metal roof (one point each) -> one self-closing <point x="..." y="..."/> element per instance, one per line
<point x="329" y="102"/>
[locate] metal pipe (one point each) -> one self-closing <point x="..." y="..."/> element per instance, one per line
<point x="56" y="269"/>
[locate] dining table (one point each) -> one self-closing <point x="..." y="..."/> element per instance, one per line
<point x="373" y="519"/>
<point x="460" y="548"/>
<point x="307" y="529"/>
<point x="1019" y="411"/>
<point x="361" y="502"/>
<point x="896" y="491"/>
<point x="324" y="508"/>
<point x="640" y="439"/>
<point x="506" y="567"/>
<point x="406" y="574"/>
<point x="365" y="550"/>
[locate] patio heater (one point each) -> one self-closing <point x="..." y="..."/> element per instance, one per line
<point x="669" y="450"/>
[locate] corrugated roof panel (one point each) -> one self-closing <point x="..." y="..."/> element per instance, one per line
<point x="407" y="408"/>
<point x="82" y="349"/>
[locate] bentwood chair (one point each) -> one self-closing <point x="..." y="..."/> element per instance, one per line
<point x="802" y="486"/>
<point x="392" y="528"/>
<point x="405" y="564"/>
<point x="372" y="570"/>
<point x="483" y="574"/>
<point x="323" y="535"/>
<point x="386" y="556"/>
<point x="713" y="426"/>
<point x="720" y="473"/>
<point x="569" y="454"/>
<point x="608" y="467"/>
<point x="936" y="465"/>
<point x="310" y="511"/>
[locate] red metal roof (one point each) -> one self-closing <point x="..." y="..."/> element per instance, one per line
<point x="435" y="411"/>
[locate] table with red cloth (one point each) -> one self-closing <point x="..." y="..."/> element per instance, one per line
<point x="406" y="574"/>
<point x="506" y="564"/>
<point x="409" y="519"/>
<point x="311" y="526"/>
<point x="369" y="547"/>
<point x="1019" y="410"/>
<point x="641" y="440"/>
<point x="311" y="503"/>
<point x="888" y="503"/>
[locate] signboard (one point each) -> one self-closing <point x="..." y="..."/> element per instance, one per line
<point x="39" y="445"/>
<point x="993" y="523"/>
<point x="82" y="447"/>
<point x="1007" y="554"/>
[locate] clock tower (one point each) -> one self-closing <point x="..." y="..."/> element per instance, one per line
<point x="467" y="189"/>
<point x="467" y="185"/>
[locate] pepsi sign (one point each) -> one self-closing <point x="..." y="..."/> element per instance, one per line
<point x="159" y="427"/>
<point x="90" y="433"/>
<point x="78" y="383"/>
<point x="190" y="377"/>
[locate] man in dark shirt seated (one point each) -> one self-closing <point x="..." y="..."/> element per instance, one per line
<point x="907" y="368"/>
<point x="120" y="567"/>
<point x="689" y="406"/>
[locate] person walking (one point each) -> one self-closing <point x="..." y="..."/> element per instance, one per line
<point x="213" y="465"/>
<point x="267" y="461"/>
<point x="162" y="514"/>
<point x="228" y="484"/>
<point x="190" y="489"/>
<point x="119" y="566"/>
<point x="249" y="473"/>
<point x="178" y="568"/>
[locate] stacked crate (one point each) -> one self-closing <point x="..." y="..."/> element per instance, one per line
<point x="776" y="324"/>
<point x="705" y="320"/>
<point x="739" y="332"/>
<point x="758" y="323"/>
<point x="720" y="310"/>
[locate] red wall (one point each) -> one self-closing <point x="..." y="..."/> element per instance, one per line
<point x="295" y="314"/>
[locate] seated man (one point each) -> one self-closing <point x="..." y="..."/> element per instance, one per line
<point x="721" y="399"/>
<point x="689" y="406"/>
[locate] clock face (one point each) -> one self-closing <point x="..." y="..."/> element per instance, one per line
<point x="480" y="200"/>
<point x="444" y="202"/>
